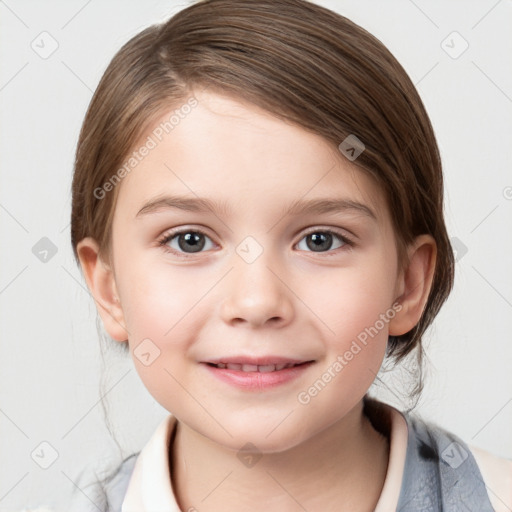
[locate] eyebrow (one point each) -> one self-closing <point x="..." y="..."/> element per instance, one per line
<point x="304" y="207"/>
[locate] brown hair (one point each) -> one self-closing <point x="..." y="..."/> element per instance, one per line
<point x="301" y="62"/>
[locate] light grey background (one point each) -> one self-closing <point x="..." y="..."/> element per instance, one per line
<point x="51" y="363"/>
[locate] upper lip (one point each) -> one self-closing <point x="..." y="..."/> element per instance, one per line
<point x="257" y="361"/>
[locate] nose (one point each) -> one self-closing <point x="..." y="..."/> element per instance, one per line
<point x="257" y="294"/>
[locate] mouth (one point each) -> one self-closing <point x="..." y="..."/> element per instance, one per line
<point x="257" y="374"/>
<point x="264" y="368"/>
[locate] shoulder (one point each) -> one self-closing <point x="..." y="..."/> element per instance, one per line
<point x="497" y="475"/>
<point x="474" y="471"/>
<point x="94" y="493"/>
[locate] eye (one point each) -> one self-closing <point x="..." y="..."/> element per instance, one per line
<point x="187" y="241"/>
<point x="190" y="241"/>
<point x="321" y="240"/>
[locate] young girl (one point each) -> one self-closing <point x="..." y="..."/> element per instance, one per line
<point x="258" y="213"/>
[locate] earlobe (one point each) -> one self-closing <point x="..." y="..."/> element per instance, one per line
<point x="101" y="283"/>
<point x="415" y="284"/>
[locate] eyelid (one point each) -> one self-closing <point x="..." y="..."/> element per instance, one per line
<point x="325" y="229"/>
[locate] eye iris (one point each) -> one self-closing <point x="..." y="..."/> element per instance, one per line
<point x="195" y="241"/>
<point x="319" y="241"/>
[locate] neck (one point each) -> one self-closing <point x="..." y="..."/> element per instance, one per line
<point x="341" y="468"/>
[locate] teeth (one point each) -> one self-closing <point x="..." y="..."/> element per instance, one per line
<point x="254" y="368"/>
<point x="267" y="368"/>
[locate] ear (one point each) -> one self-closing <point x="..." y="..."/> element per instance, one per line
<point x="100" y="280"/>
<point x="414" y="285"/>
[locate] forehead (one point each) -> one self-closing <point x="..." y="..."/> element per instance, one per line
<point x="243" y="158"/>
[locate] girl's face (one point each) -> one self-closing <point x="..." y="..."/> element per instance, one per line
<point x="273" y="270"/>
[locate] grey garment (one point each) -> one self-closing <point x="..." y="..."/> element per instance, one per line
<point x="440" y="475"/>
<point x="105" y="495"/>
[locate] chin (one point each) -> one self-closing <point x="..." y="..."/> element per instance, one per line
<point x="258" y="435"/>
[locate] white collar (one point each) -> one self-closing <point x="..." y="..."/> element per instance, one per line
<point x="150" y="486"/>
<point x="150" y="489"/>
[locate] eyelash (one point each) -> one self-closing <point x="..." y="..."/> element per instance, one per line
<point x="165" y="239"/>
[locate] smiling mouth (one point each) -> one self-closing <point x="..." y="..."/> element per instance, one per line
<point x="267" y="368"/>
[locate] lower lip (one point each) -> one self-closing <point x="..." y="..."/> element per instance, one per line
<point x="256" y="381"/>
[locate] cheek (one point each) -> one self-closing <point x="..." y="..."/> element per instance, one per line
<point x="361" y="315"/>
<point x="155" y="298"/>
<point x="162" y="308"/>
<point x="158" y="339"/>
<point x="350" y="301"/>
<point x="355" y="306"/>
<point x="358" y="316"/>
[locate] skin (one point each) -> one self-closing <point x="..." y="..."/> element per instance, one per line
<point x="291" y="301"/>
